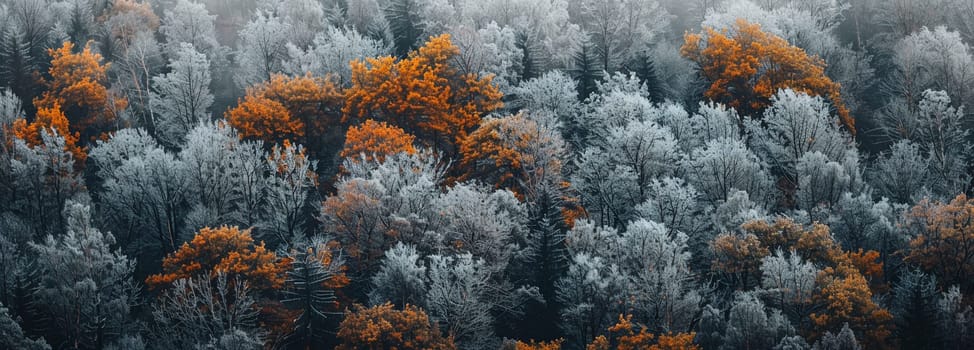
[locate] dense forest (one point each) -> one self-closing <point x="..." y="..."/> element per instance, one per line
<point x="486" y="174"/>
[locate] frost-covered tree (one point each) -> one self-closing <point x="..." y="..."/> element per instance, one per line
<point x="657" y="262"/>
<point x="134" y="70"/>
<point x="788" y="282"/>
<point x="674" y="203"/>
<point x="956" y="320"/>
<point x="644" y="270"/>
<point x="402" y="278"/>
<point x="552" y="93"/>
<point x="620" y="29"/>
<point x="189" y="22"/>
<point x="305" y="19"/>
<point x="144" y="189"/>
<point x="822" y="182"/>
<point x="207" y="155"/>
<point x="330" y="52"/>
<point x="481" y="222"/>
<point x="181" y="98"/>
<point x="936" y="59"/>
<point x="900" y="173"/>
<point x="458" y="299"/>
<point x="857" y="222"/>
<point x="724" y="165"/>
<point x="608" y="191"/>
<point x="489" y="50"/>
<point x="645" y="147"/>
<point x="45" y="177"/>
<point x="750" y="326"/>
<point x="376" y="198"/>
<point x="589" y="291"/>
<point x="293" y="175"/>
<point x="406" y="22"/>
<point x="942" y="135"/>
<point x="262" y="50"/>
<point x="845" y="339"/>
<point x="797" y="124"/>
<point x="85" y="286"/>
<point x="203" y="311"/>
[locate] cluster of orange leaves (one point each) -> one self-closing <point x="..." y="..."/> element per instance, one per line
<point x="224" y="249"/>
<point x="286" y="108"/>
<point x="384" y="327"/>
<point x="376" y="140"/>
<point x="497" y="151"/>
<point x="422" y="94"/>
<point x="748" y="66"/>
<point x="624" y="337"/>
<point x="843" y="287"/>
<point x="540" y="345"/>
<point x="77" y="103"/>
<point x="944" y="239"/>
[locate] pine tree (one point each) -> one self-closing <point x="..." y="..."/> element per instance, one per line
<point x="587" y="69"/>
<point x="16" y="71"/>
<point x="315" y="273"/>
<point x="547" y="260"/>
<point x="915" y="310"/>
<point x="406" y="25"/>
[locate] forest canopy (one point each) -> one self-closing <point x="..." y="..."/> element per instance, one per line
<point x="486" y="174"/>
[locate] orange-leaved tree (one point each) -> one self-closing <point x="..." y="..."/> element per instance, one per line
<point x="422" y="94"/>
<point x="376" y="140"/>
<point x="746" y="66"/>
<point x="300" y="108"/>
<point x="623" y="336"/>
<point x="225" y="249"/>
<point x="49" y="120"/>
<point x="384" y="327"/>
<point x="842" y="288"/>
<point x="845" y="298"/>
<point x="77" y="87"/>
<point x="538" y="345"/>
<point x="943" y="240"/>
<point x="513" y="152"/>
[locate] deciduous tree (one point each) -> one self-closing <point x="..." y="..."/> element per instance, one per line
<point x="373" y="141"/>
<point x="383" y="327"/>
<point x="745" y="66"/>
<point x="226" y="250"/>
<point x="422" y="93"/>
<point x="77" y="87"/>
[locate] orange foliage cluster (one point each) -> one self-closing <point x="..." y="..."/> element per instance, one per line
<point x="846" y="298"/>
<point x="383" y="327"/>
<point x="224" y="249"/>
<point x="748" y="67"/>
<point x="944" y="239"/>
<point x="76" y="104"/>
<point x="77" y="87"/>
<point x="286" y="108"/>
<point x="422" y="94"/>
<point x="49" y="120"/>
<point x="739" y="257"/>
<point x="843" y="289"/>
<point x="376" y="140"/>
<point x="505" y="151"/>
<point x="542" y="345"/>
<point x="624" y="337"/>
